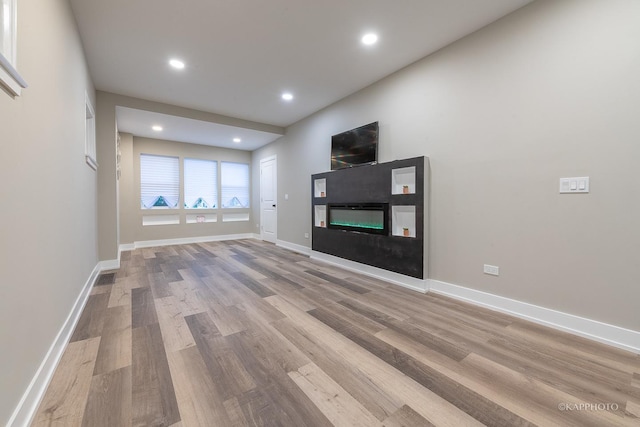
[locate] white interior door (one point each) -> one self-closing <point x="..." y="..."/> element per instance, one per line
<point x="268" y="199"/>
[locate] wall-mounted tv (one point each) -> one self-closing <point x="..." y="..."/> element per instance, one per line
<point x="354" y="147"/>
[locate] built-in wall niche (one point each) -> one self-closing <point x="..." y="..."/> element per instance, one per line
<point x="233" y="217"/>
<point x="320" y="188"/>
<point x="403" y="180"/>
<point x="160" y="219"/>
<point x="403" y="221"/>
<point x="320" y="215"/>
<point x="201" y="218"/>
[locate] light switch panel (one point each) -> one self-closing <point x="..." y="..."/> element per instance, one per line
<point x="574" y="185"/>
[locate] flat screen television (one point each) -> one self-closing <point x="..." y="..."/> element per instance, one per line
<point x="354" y="147"/>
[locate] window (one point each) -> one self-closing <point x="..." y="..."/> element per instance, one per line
<point x="159" y="181"/>
<point x="200" y="184"/>
<point x="90" y="134"/>
<point x="235" y="185"/>
<point x="9" y="77"/>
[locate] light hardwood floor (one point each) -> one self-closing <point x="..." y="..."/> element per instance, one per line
<point x="245" y="333"/>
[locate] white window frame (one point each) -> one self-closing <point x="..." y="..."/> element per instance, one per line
<point x="90" y="134"/>
<point x="10" y="79"/>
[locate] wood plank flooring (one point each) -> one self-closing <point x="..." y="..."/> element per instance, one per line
<point x="245" y="333"/>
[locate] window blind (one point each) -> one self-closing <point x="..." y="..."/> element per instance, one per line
<point x="235" y="185"/>
<point x="200" y="184"/>
<point x="159" y="181"/>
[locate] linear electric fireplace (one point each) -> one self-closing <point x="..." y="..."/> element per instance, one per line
<point x="362" y="217"/>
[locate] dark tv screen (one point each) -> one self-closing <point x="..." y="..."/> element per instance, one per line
<point x="355" y="147"/>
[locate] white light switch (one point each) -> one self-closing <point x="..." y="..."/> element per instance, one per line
<point x="574" y="185"/>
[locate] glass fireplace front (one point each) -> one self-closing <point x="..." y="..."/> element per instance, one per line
<point x="362" y="217"/>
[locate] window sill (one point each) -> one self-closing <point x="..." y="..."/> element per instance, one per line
<point x="160" y="220"/>
<point x="159" y="209"/>
<point x="92" y="163"/>
<point x="235" y="217"/>
<point x="10" y="79"/>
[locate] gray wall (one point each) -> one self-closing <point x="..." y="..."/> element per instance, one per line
<point x="131" y="228"/>
<point x="48" y="247"/>
<point x="549" y="91"/>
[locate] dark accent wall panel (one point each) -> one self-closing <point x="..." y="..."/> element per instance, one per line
<point x="373" y="184"/>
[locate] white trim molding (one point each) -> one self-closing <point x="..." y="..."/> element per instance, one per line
<point x="185" y="241"/>
<point x="294" y="247"/>
<point x="10" y="79"/>
<point x="126" y="247"/>
<point x="615" y="336"/>
<point x="612" y="335"/>
<point x="90" y="133"/>
<point x="26" y="409"/>
<point x="420" y="285"/>
<point x="110" y="264"/>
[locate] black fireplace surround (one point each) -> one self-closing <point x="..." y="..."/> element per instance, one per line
<point x="361" y="217"/>
<point x="369" y="186"/>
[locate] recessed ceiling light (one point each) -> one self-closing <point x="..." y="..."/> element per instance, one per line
<point x="177" y="64"/>
<point x="237" y="140"/>
<point x="370" y="39"/>
<point x="156" y="128"/>
<point x="287" y="96"/>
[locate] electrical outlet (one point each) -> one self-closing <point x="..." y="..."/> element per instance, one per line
<point x="492" y="270"/>
<point x="306" y="235"/>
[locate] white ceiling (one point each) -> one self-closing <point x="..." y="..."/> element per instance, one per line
<point x="241" y="55"/>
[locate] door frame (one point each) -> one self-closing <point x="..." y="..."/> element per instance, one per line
<point x="275" y="190"/>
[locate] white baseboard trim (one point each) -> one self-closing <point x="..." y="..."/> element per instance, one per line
<point x="185" y="241"/>
<point x="616" y="336"/>
<point x="110" y="264"/>
<point x="412" y="283"/>
<point x="127" y="247"/>
<point x="294" y="247"/>
<point x="25" y="411"/>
